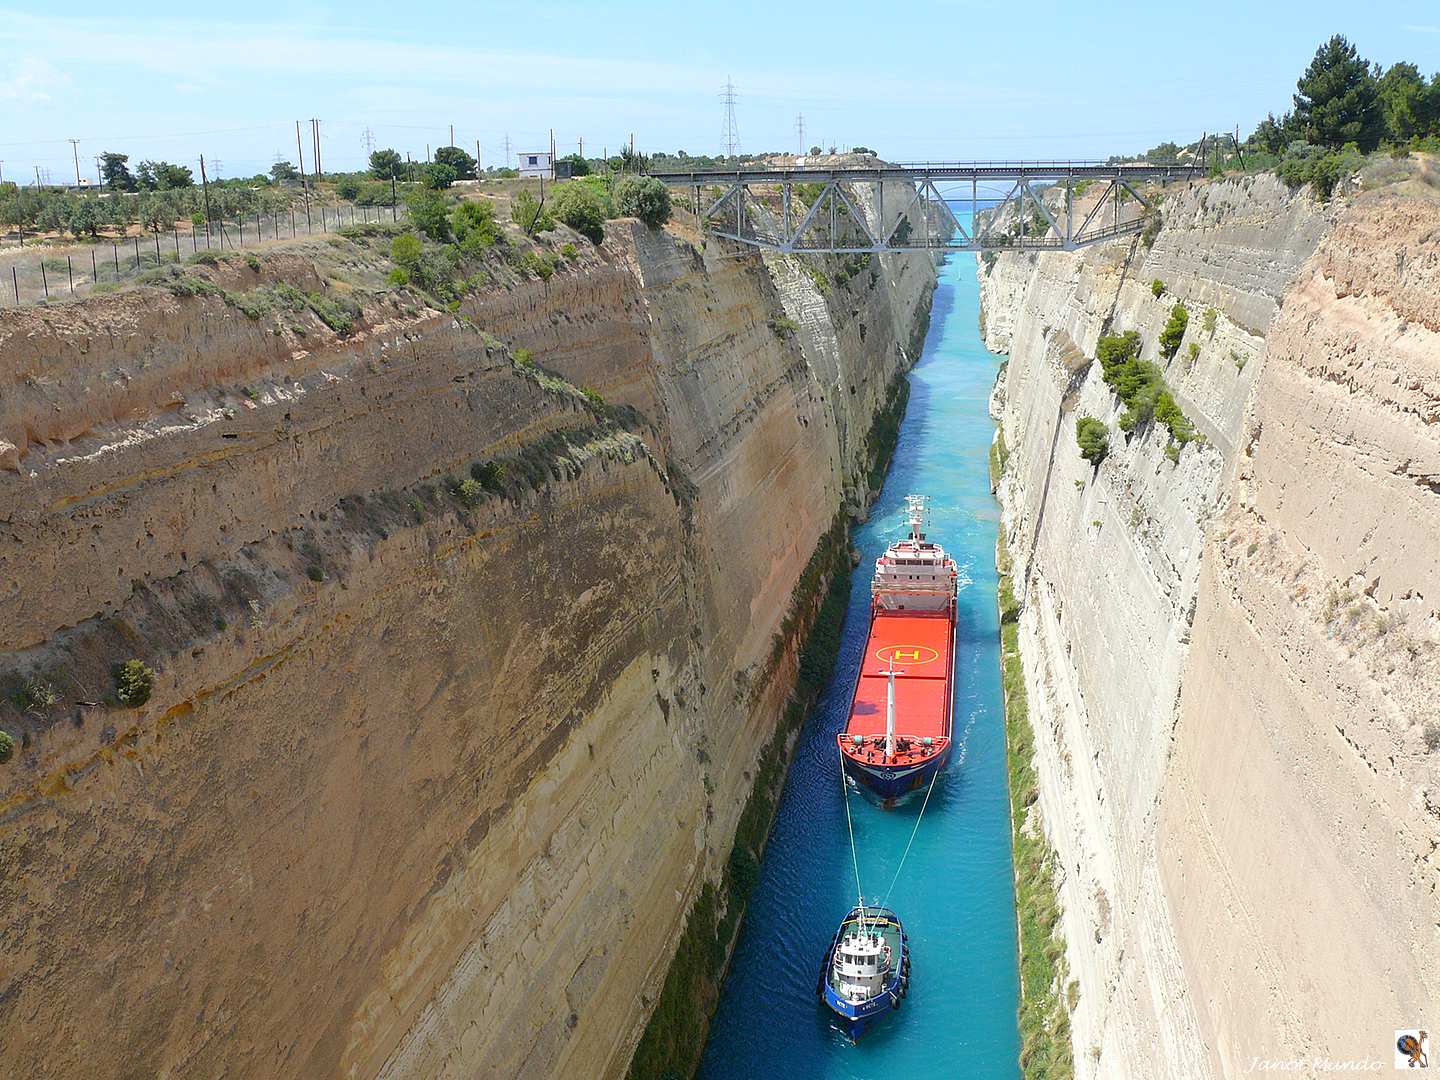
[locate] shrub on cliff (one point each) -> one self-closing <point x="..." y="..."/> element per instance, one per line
<point x="578" y="206"/>
<point x="133" y="681"/>
<point x="1093" y="439"/>
<point x="7" y="746"/>
<point x="645" y="198"/>
<point x="475" y="227"/>
<point x="1157" y="287"/>
<point x="429" y="213"/>
<point x="1174" y="331"/>
<point x="526" y="211"/>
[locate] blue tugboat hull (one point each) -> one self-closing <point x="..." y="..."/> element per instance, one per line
<point x="857" y="1017"/>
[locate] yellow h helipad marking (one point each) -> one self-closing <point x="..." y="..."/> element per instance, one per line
<point x="907" y="654"/>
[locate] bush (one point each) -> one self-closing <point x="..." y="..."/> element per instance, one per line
<point x="645" y="198"/>
<point x="1157" y="287"/>
<point x="133" y="681"/>
<point x="569" y="251"/>
<point x="524" y="357"/>
<point x="468" y="491"/>
<point x="526" y="211"/>
<point x="538" y="265"/>
<point x="405" y="251"/>
<point x="1093" y="439"/>
<point x="1174" y="331"/>
<point x="578" y="206"/>
<point x="476" y="230"/>
<point x="7" y="747"/>
<point x="1211" y="318"/>
<point x="489" y="474"/>
<point x="347" y="187"/>
<point x="429" y="213"/>
<point x="1321" y="169"/>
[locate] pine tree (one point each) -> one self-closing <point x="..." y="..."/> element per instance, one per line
<point x="1338" y="100"/>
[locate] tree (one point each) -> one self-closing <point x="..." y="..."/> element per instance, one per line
<point x="115" y="172"/>
<point x="457" y="159"/>
<point x="643" y="197"/>
<point x="1174" y="331"/>
<point x="83" y="218"/>
<point x="1093" y="439"/>
<point x="348" y="187"/>
<point x="1338" y="100"/>
<point x="577" y="205"/>
<point x="133" y="681"/>
<point x="387" y="165"/>
<point x="1273" y="136"/>
<point x="439" y="175"/>
<point x="1404" y="102"/>
<point x="162" y="176"/>
<point x="526" y="211"/>
<point x="814" y="150"/>
<point x="282" y="172"/>
<point x="429" y="213"/>
<point x="578" y="165"/>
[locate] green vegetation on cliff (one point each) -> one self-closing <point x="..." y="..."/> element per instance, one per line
<point x="1045" y="1000"/>
<point x="1140" y="386"/>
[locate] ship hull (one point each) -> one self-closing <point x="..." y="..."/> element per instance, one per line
<point x="891" y="783"/>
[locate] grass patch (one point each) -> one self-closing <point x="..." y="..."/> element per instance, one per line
<point x="1044" y="1020"/>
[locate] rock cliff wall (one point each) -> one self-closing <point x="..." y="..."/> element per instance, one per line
<point x="1225" y="654"/>
<point x="426" y="782"/>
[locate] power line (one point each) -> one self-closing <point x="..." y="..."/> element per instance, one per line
<point x="729" y="133"/>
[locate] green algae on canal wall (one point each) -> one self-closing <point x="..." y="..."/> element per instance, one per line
<point x="1045" y="998"/>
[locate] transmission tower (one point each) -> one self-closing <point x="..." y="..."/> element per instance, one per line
<point x="367" y="140"/>
<point x="507" y="150"/>
<point x="729" y="134"/>
<point x="800" y="131"/>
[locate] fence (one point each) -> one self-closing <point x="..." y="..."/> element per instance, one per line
<point x="49" y="272"/>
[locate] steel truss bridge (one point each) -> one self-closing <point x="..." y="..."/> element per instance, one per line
<point x="820" y="209"/>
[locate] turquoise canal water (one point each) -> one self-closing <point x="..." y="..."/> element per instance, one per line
<point x="954" y="893"/>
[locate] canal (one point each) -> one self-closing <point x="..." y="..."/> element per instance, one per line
<point x="954" y="892"/>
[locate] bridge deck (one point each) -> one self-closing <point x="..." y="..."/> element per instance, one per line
<point x="934" y="170"/>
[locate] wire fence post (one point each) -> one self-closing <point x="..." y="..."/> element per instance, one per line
<point x="137" y="251"/>
<point x="15" y="280"/>
<point x="94" y="268"/>
<point x="115" y="251"/>
<point x="157" y="247"/>
<point x="70" y="273"/>
<point x="44" y="281"/>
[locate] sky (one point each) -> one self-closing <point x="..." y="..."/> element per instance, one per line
<point x="914" y="81"/>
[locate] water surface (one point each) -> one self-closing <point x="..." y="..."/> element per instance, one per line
<point x="954" y="892"/>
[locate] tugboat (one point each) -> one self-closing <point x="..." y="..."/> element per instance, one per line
<point x="866" y="972"/>
<point x="898" y="734"/>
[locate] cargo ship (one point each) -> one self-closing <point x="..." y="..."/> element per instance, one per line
<point x="898" y="734"/>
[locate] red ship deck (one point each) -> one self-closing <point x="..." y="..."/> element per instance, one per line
<point x="921" y="647"/>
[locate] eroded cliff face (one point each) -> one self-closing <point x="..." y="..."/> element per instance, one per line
<point x="1228" y="655"/>
<point x="426" y="783"/>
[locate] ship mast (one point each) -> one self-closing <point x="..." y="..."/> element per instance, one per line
<point x="915" y="506"/>
<point x="890" y="674"/>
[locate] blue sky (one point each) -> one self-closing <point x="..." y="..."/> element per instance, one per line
<point x="914" y="81"/>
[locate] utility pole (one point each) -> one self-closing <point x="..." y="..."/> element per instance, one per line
<point x="75" y="149"/>
<point x="98" y="181"/>
<point x="315" y="140"/>
<point x="205" y="183"/>
<point x="477" y="159"/>
<point x="452" y="134"/>
<point x="729" y="133"/>
<point x="300" y="153"/>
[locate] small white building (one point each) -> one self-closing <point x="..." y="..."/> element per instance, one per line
<point x="537" y="163"/>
